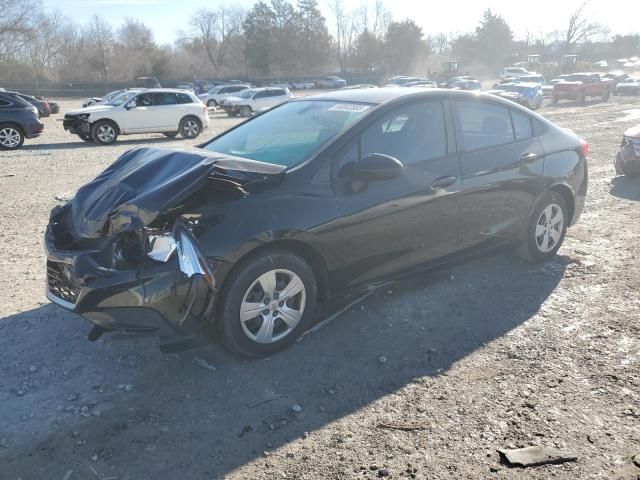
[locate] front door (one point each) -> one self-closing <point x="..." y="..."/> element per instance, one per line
<point x="393" y="225"/>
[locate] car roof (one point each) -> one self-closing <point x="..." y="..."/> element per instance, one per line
<point x="380" y="96"/>
<point x="164" y="90"/>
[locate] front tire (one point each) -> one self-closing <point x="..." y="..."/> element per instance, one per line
<point x="268" y="303"/>
<point x="11" y="137"/>
<point x="190" y="127"/>
<point x="85" y="137"/>
<point x="104" y="132"/>
<point x="546" y="229"/>
<point x="245" y="111"/>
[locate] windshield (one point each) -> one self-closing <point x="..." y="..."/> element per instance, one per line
<point x="121" y="99"/>
<point x="289" y="134"/>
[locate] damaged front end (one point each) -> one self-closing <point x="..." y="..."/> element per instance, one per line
<point x="124" y="252"/>
<point x="628" y="158"/>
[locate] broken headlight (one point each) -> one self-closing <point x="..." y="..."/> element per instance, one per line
<point x="161" y="247"/>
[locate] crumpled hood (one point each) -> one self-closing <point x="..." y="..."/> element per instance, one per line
<point x="145" y="182"/>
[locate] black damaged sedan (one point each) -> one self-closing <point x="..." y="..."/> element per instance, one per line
<point x="242" y="237"/>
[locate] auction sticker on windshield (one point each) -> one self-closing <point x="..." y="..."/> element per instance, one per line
<point x="349" y="107"/>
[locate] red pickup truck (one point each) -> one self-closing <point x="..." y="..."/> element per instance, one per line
<point x="579" y="86"/>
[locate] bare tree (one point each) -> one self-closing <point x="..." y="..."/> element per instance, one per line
<point x="15" y="25"/>
<point x="101" y="41"/>
<point x="214" y="31"/>
<point x="580" y="28"/>
<point x="45" y="42"/>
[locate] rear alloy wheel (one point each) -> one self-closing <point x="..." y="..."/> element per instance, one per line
<point x="245" y="111"/>
<point x="190" y="127"/>
<point x="546" y="229"/>
<point x="11" y="138"/>
<point x="268" y="304"/>
<point x="104" y="132"/>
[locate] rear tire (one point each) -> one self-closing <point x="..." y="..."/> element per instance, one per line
<point x="546" y="229"/>
<point x="257" y="315"/>
<point x="11" y="137"/>
<point x="104" y="132"/>
<point x="245" y="111"/>
<point x="190" y="127"/>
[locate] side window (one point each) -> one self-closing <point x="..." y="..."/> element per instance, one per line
<point x="184" y="98"/>
<point x="538" y="127"/>
<point x="277" y="93"/>
<point x="235" y="89"/>
<point x="483" y="125"/>
<point x="411" y="133"/>
<point x="260" y="95"/>
<point x="165" y="98"/>
<point x="521" y="125"/>
<point x="144" y="100"/>
<point x="4" y="103"/>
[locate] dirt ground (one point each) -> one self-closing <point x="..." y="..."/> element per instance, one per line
<point x="493" y="353"/>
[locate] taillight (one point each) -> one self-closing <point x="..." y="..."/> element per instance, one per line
<point x="584" y="147"/>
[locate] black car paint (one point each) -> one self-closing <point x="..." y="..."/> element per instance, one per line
<point x="17" y="113"/>
<point x="433" y="212"/>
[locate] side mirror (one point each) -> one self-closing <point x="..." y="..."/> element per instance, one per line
<point x="131" y="104"/>
<point x="377" y="166"/>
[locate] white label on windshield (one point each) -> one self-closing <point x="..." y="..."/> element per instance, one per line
<point x="349" y="107"/>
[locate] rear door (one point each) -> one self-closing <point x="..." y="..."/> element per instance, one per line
<point x="502" y="165"/>
<point x="393" y="225"/>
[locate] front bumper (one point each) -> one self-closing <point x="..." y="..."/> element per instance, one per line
<point x="628" y="158"/>
<point x="76" y="125"/>
<point x="159" y="297"/>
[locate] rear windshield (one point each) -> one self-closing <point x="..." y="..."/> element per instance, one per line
<point x="289" y="134"/>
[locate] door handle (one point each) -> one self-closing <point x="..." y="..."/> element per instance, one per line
<point x="443" y="182"/>
<point x="529" y="157"/>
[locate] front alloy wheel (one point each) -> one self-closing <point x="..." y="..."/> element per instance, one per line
<point x="267" y="303"/>
<point x="10" y="138"/>
<point x="273" y="306"/>
<point x="104" y="132"/>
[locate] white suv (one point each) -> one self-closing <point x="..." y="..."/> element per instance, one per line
<point x="255" y="100"/>
<point x="161" y="110"/>
<point x="213" y="97"/>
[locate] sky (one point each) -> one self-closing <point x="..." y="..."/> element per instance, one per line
<point x="166" y="17"/>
